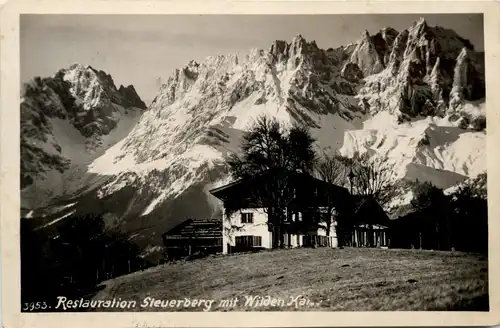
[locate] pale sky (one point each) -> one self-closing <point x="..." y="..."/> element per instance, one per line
<point x="140" y="49"/>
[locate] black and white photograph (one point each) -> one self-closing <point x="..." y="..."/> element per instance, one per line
<point x="223" y="162"/>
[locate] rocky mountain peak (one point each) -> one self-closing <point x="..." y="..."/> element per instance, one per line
<point x="181" y="80"/>
<point x="468" y="79"/>
<point x="79" y="101"/>
<point x="388" y="34"/>
<point x="295" y="51"/>
<point x="298" y="42"/>
<point x="282" y="55"/>
<point x="105" y="78"/>
<point x="420" y="23"/>
<point x="130" y="97"/>
<point x="433" y="68"/>
<point x="369" y="54"/>
<point x="465" y="54"/>
<point x="436" y="78"/>
<point x="279" y="51"/>
<point x="97" y="88"/>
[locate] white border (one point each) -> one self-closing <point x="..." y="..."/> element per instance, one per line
<point x="9" y="160"/>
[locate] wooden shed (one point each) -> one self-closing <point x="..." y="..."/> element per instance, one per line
<point x="193" y="236"/>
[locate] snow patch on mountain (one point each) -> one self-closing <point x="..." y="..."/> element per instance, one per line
<point x="58" y="219"/>
<point x="431" y="142"/>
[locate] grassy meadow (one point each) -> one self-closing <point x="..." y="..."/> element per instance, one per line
<point x="306" y="279"/>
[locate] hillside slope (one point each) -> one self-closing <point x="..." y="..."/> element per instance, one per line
<point x="350" y="279"/>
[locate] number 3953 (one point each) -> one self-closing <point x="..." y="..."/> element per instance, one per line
<point x="33" y="306"/>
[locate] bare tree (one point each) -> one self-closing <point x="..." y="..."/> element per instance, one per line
<point x="373" y="176"/>
<point x="370" y="175"/>
<point x="332" y="168"/>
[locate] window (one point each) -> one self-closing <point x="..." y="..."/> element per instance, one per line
<point x="246" y="217"/>
<point x="249" y="241"/>
<point x="299" y="216"/>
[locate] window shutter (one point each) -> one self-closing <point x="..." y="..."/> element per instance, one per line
<point x="246" y="217"/>
<point x="249" y="241"/>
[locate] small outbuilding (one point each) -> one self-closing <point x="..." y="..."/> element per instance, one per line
<point x="193" y="236"/>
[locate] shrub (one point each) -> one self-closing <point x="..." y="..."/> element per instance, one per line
<point x="72" y="257"/>
<point x="464" y="123"/>
<point x="479" y="123"/>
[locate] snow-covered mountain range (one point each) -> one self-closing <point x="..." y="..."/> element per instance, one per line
<point x="415" y="96"/>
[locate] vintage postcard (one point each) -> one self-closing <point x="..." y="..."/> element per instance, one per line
<point x="249" y="163"/>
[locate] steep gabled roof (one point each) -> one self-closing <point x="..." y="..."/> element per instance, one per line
<point x="196" y="228"/>
<point x="240" y="182"/>
<point x="243" y="185"/>
<point x="368" y="210"/>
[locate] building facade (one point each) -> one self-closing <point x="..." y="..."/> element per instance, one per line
<point x="307" y="205"/>
<point x="248" y="228"/>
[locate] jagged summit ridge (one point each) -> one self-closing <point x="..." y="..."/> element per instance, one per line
<point x="421" y="68"/>
<point x="90" y="85"/>
<point x="295" y="81"/>
<point x="284" y="56"/>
